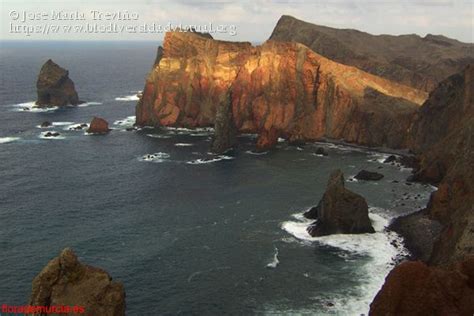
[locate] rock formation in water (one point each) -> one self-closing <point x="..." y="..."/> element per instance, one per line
<point x="413" y="288"/>
<point x="54" y="87"/>
<point x="225" y="134"/>
<point x="278" y="90"/>
<point x="420" y="62"/>
<point x="368" y="175"/>
<point x="98" y="126"/>
<point x="340" y="211"/>
<point x="66" y="281"/>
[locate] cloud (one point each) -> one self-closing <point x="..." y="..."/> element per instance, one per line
<point x="256" y="19"/>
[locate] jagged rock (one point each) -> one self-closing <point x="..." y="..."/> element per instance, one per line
<point x="66" y="281"/>
<point x="193" y="73"/>
<point x="391" y="158"/>
<point x="420" y="62"/>
<point x="340" y="211"/>
<point x="368" y="175"/>
<point x="413" y="288"/>
<point x="225" y="136"/>
<point x="98" y="126"/>
<point x="54" y="87"/>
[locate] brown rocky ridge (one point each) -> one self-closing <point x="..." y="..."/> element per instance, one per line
<point x="420" y="62"/>
<point x="54" y="87"/>
<point x="443" y="137"/>
<point x="68" y="282"/>
<point x="340" y="211"/>
<point x="277" y="90"/>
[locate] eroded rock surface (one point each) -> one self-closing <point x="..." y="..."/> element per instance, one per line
<point x="66" y="281"/>
<point x="54" y="87"/>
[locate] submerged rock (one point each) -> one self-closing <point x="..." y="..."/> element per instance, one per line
<point x="98" y="126"/>
<point x="368" y="175"/>
<point x="225" y="136"/>
<point x="413" y="288"/>
<point x="340" y="211"/>
<point x="321" y="151"/>
<point x="46" y="124"/>
<point x="66" y="281"/>
<point x="54" y="87"/>
<point x="52" y="134"/>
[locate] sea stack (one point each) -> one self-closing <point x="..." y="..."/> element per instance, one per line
<point x="98" y="126"/>
<point x="340" y="211"/>
<point x="54" y="87"/>
<point x="225" y="130"/>
<point x="66" y="281"/>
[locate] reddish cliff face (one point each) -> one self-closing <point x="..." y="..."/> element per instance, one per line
<point x="413" y="288"/>
<point x="278" y="90"/>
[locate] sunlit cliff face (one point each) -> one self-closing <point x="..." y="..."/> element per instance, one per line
<point x="278" y="90"/>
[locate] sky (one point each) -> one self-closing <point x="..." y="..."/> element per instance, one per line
<point x="249" y="20"/>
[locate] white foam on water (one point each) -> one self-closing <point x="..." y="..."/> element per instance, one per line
<point x="202" y="161"/>
<point x="158" y="136"/>
<point x="43" y="136"/>
<point x="75" y="127"/>
<point x="85" y="104"/>
<point x="190" y="130"/>
<point x="155" y="157"/>
<point x="133" y="97"/>
<point x="62" y="123"/>
<point x="250" y="152"/>
<point x="378" y="247"/>
<point x="183" y="145"/>
<point x="32" y="107"/>
<point x="275" y="262"/>
<point x="129" y="121"/>
<point x="4" y="140"/>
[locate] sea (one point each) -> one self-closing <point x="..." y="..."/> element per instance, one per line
<point x="187" y="232"/>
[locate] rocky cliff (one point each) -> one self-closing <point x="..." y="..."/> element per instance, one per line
<point x="66" y="281"/>
<point x="420" y="62"/>
<point x="278" y="90"/>
<point x="54" y="87"/>
<point x="443" y="137"/>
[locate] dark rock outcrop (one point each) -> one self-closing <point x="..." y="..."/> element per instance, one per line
<point x="225" y="135"/>
<point x="413" y="288"/>
<point x="442" y="136"/>
<point x="420" y="62"/>
<point x="66" y="281"/>
<point x="98" y="126"/>
<point x="54" y="87"/>
<point x="278" y="89"/>
<point x="368" y="175"/>
<point x="46" y="124"/>
<point x="340" y="211"/>
<point x="321" y="151"/>
<point x="419" y="232"/>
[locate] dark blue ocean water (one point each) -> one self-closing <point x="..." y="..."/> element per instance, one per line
<point x="184" y="237"/>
